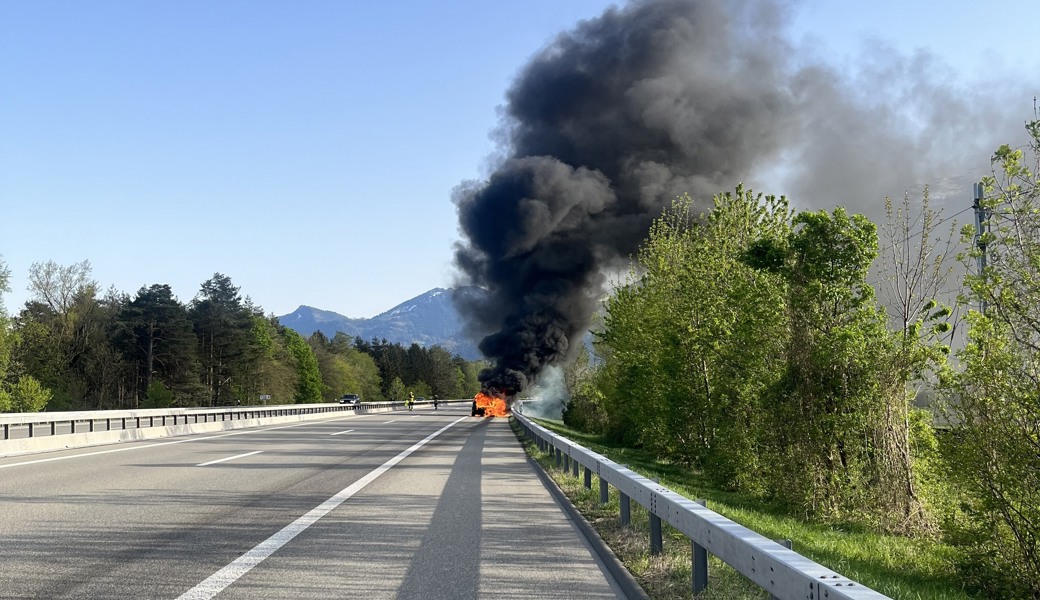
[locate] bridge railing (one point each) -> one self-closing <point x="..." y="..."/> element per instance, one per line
<point x="782" y="572"/>
<point x="22" y="433"/>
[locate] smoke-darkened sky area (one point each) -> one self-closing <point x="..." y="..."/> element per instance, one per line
<point x="616" y="117"/>
<point x="310" y="151"/>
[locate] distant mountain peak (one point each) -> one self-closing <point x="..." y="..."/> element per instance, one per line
<point x="433" y="295"/>
<point x="429" y="319"/>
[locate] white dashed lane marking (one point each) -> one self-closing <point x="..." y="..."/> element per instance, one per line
<point x="220" y="460"/>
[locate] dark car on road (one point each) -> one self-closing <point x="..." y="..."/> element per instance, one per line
<point x="350" y="399"/>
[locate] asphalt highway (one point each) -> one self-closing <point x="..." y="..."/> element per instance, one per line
<point x="421" y="504"/>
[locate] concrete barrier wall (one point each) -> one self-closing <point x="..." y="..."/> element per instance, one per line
<point x="16" y="447"/>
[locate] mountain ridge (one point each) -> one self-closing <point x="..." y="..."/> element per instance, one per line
<point x="429" y="319"/>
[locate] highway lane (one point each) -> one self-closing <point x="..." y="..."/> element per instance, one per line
<point x="423" y="504"/>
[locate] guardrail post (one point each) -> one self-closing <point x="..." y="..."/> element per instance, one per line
<point x="7" y="431"/>
<point x="656" y="540"/>
<point x="559" y="456"/>
<point x="604" y="491"/>
<point x="574" y="464"/>
<point x="54" y="428"/>
<point x="566" y="463"/>
<point x="786" y="544"/>
<point x="751" y="554"/>
<point x="699" y="567"/>
<point x="588" y="478"/>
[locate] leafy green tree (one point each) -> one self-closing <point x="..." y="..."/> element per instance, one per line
<point x="272" y="370"/>
<point x="309" y="386"/>
<point x="995" y="408"/>
<point x="27" y="395"/>
<point x="345" y="369"/>
<point x="421" y="389"/>
<point x="835" y="409"/>
<point x="158" y="396"/>
<point x="467" y="377"/>
<point x="398" y="391"/>
<point x="63" y="332"/>
<point x="336" y="376"/>
<point x="584" y="410"/>
<point x="7" y="339"/>
<point x="699" y="334"/>
<point x="364" y="374"/>
<point x="38" y="352"/>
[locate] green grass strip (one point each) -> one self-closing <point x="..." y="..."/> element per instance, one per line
<point x="897" y="566"/>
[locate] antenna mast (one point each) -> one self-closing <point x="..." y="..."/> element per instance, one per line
<point x="982" y="216"/>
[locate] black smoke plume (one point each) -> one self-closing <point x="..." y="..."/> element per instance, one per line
<point x="613" y="120"/>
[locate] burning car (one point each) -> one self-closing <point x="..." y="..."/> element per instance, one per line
<point x="490" y="404"/>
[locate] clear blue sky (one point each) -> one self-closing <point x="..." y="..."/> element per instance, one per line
<point x="308" y="150"/>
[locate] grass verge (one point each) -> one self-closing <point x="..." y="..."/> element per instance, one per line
<point x="899" y="567"/>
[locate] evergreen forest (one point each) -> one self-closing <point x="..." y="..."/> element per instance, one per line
<point x="72" y="348"/>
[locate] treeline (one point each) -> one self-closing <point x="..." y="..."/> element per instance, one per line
<point x="69" y="348"/>
<point x="749" y="345"/>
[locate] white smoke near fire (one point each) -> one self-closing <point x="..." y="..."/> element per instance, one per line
<point x="548" y="396"/>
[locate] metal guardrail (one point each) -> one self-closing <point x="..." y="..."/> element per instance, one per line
<point x="32" y="425"/>
<point x="29" y="425"/>
<point x="778" y="570"/>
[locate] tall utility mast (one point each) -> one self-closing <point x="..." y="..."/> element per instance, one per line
<point x="982" y="216"/>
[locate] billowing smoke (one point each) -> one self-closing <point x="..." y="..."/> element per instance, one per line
<point x="549" y="395"/>
<point x="613" y="120"/>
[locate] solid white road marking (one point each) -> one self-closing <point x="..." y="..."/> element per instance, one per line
<point x="215" y="583"/>
<point x="341" y="432"/>
<point x="388" y="422"/>
<point x="213" y="462"/>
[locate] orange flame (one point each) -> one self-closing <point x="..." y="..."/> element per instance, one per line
<point x="493" y="406"/>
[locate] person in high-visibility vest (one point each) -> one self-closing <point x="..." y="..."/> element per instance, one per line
<point x="411" y="400"/>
